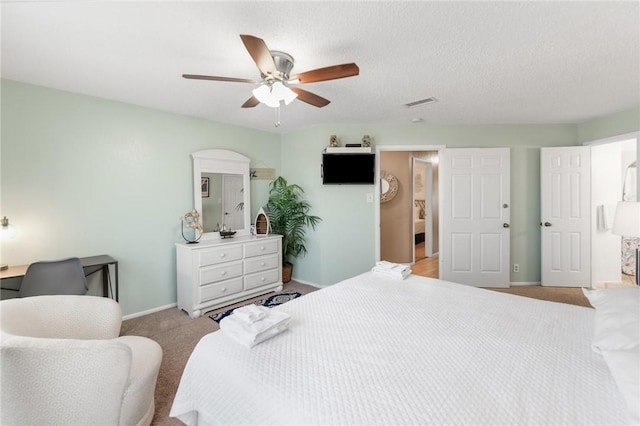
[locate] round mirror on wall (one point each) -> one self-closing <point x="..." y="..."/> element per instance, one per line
<point x="388" y="186"/>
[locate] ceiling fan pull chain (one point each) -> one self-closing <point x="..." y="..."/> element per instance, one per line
<point x="277" y="123"/>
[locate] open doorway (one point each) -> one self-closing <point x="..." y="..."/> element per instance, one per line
<point x="614" y="179"/>
<point x="408" y="231"/>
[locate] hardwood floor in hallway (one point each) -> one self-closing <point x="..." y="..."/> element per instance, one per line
<point x="425" y="266"/>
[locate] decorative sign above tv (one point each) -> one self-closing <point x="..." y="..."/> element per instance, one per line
<point x="348" y="169"/>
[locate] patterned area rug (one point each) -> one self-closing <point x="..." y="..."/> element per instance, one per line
<point x="275" y="300"/>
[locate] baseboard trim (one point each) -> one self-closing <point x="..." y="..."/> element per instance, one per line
<point x="511" y="284"/>
<point x="150" y="311"/>
<point x="523" y="283"/>
<point x="306" y="282"/>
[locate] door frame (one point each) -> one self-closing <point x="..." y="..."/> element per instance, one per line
<point x="428" y="206"/>
<point x="376" y="198"/>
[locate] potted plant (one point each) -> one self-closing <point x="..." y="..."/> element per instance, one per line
<point x="289" y="216"/>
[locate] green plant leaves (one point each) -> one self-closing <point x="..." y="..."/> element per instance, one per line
<point x="289" y="216"/>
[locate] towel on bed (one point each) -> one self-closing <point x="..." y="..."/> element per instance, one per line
<point x="391" y="270"/>
<point x="251" y="313"/>
<point x="252" y="333"/>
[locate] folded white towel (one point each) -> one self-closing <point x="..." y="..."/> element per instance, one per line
<point x="251" y="313"/>
<point x="391" y="270"/>
<point x="386" y="265"/>
<point x="250" y="334"/>
<point x="250" y="340"/>
<point x="396" y="276"/>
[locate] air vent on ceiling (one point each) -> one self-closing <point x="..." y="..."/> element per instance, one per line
<point x="421" y="102"/>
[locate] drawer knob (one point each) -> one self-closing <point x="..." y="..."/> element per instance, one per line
<point x="262" y="263"/>
<point x="262" y="247"/>
<point x="223" y="273"/>
<point x="262" y="279"/>
<point x="222" y="254"/>
<point x="223" y="289"/>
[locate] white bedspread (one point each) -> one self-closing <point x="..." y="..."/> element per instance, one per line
<point x="370" y="350"/>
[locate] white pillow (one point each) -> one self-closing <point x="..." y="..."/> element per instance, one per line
<point x="617" y="319"/>
<point x="625" y="369"/>
<point x="617" y="337"/>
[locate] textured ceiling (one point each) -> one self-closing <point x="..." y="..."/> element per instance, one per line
<point x="485" y="62"/>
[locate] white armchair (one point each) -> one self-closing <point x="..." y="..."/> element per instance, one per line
<point x="63" y="363"/>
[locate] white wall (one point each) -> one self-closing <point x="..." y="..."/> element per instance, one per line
<point x="606" y="191"/>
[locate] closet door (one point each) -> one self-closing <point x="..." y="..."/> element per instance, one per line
<point x="565" y="216"/>
<point x="475" y="216"/>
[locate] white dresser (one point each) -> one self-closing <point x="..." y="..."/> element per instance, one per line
<point x="216" y="273"/>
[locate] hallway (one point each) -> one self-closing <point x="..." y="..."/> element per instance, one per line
<point x="425" y="266"/>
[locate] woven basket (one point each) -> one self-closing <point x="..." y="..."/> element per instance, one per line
<point x="287" y="269"/>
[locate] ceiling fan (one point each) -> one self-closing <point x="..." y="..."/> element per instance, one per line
<point x="276" y="81"/>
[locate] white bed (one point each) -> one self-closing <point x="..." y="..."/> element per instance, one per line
<point x="370" y="350"/>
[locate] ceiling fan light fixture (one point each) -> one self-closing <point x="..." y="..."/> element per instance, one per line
<point x="284" y="93"/>
<point x="275" y="77"/>
<point x="271" y="94"/>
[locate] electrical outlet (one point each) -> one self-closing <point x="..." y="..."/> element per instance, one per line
<point x="516" y="267"/>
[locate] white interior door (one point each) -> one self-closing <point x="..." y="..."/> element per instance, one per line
<point x="232" y="207"/>
<point x="475" y="216"/>
<point x="565" y="214"/>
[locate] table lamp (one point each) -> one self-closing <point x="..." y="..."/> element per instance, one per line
<point x="626" y="223"/>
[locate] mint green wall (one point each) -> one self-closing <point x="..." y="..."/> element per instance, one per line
<point x="83" y="176"/>
<point x="620" y="123"/>
<point x="345" y="243"/>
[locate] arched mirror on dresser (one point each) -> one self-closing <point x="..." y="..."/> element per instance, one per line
<point x="222" y="191"/>
<point x="218" y="271"/>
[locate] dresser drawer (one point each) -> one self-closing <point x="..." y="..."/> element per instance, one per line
<point x="261" y="278"/>
<point x="214" y="291"/>
<point x="260" y="248"/>
<point x="256" y="264"/>
<point x="219" y="254"/>
<point x="216" y="273"/>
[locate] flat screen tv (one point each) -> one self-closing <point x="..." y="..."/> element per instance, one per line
<point x="348" y="169"/>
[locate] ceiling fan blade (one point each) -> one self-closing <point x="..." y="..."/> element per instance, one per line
<point x="260" y="53"/>
<point x="251" y="102"/>
<point x="213" y="77"/>
<point x="310" y="98"/>
<point x="328" y="73"/>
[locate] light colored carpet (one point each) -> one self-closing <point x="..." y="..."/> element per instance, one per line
<point x="178" y="335"/>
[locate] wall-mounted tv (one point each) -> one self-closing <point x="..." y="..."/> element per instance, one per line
<point x="348" y="169"/>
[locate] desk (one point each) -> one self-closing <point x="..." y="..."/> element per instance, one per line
<point x="90" y="264"/>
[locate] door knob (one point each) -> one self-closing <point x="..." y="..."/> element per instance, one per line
<point x="505" y="225"/>
<point x="547" y="224"/>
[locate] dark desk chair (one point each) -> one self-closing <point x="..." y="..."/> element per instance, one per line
<point x="54" y="277"/>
